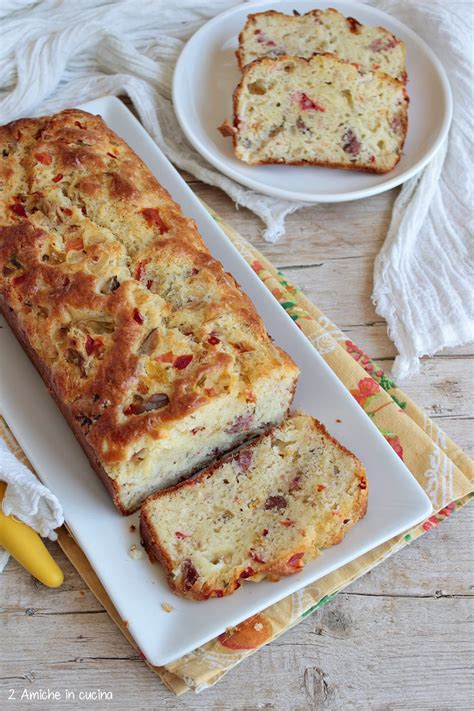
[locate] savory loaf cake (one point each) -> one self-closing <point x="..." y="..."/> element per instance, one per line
<point x="155" y="356"/>
<point x="271" y="34"/>
<point x="318" y="111"/>
<point x="263" y="511"/>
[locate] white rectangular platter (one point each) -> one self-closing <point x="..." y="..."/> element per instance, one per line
<point x="136" y="587"/>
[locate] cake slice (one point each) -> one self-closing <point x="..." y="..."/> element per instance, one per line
<point x="271" y="34"/>
<point x="263" y="511"/>
<point x="318" y="111"/>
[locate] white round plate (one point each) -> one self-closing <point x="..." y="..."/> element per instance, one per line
<point x="207" y="73"/>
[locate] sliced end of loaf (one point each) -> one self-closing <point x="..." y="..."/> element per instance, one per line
<point x="318" y="111"/>
<point x="261" y="512"/>
<point x="223" y="424"/>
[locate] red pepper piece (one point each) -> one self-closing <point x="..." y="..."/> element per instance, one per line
<point x="305" y="102"/>
<point x="138" y="317"/>
<point x="181" y="535"/>
<point x="92" y="344"/>
<point x="19" y="279"/>
<point x="295" y="559"/>
<point x="182" y="362"/>
<point x="213" y="340"/>
<point x="165" y="357"/>
<point x="18" y="209"/>
<point x="247" y="573"/>
<point x="76" y="244"/>
<point x="153" y="217"/>
<point x="44" y="158"/>
<point x="58" y="177"/>
<point x="139" y="271"/>
<point x="190" y="574"/>
<point x="254" y="556"/>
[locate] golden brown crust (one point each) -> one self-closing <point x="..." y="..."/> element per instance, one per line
<point x="111" y="486"/>
<point x="227" y="132"/>
<point x="273" y="570"/>
<point x="327" y="164"/>
<point x="151" y="544"/>
<point x="95" y="258"/>
<point x="226" y="129"/>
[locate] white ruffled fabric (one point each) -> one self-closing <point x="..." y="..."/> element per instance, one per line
<point x="423" y="275"/>
<point x="60" y="53"/>
<point x="27" y="499"/>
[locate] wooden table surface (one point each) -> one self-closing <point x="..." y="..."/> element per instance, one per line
<point x="396" y="639"/>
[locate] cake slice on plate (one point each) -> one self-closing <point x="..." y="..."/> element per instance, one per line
<point x="263" y="511"/>
<point x="272" y="34"/>
<point x="318" y="111"/>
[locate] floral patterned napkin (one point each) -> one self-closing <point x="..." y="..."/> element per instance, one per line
<point x="442" y="469"/>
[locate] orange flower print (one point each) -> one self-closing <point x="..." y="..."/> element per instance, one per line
<point x="257" y="266"/>
<point x="441" y="516"/>
<point x="394" y="442"/>
<point x="367" y="388"/>
<point x="249" y="634"/>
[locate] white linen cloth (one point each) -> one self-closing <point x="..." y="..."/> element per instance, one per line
<point x="27" y="499"/>
<point x="424" y="273"/>
<point x="60" y="53"/>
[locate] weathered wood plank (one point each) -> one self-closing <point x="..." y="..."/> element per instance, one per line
<point x="356" y="652"/>
<point x="314" y="234"/>
<point x="428" y="567"/>
<point x="409" y="611"/>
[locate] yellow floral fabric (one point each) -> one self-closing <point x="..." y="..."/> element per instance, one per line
<point x="440" y="466"/>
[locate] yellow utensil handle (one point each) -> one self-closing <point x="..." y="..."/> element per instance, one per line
<point x="26" y="546"/>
